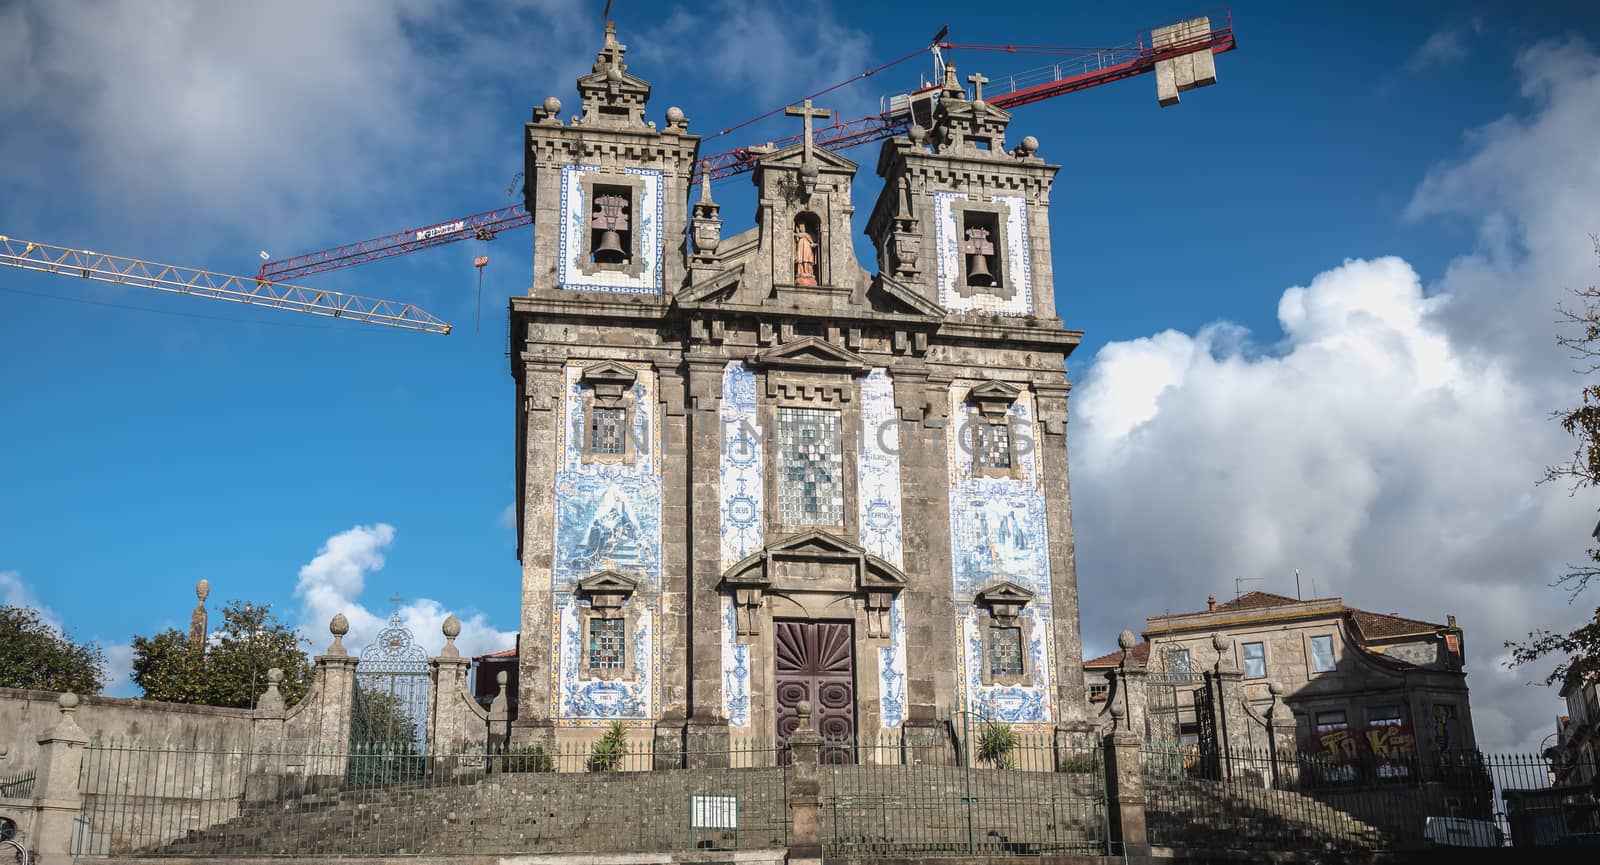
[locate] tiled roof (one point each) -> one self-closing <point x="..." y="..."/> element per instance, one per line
<point x="1256" y="601"/>
<point x="1141" y="656"/>
<point x="505" y="653"/>
<point x="1380" y="625"/>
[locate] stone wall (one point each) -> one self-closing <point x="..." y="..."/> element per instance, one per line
<point x="26" y="714"/>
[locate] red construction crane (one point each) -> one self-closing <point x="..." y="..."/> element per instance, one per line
<point x="1081" y="69"/>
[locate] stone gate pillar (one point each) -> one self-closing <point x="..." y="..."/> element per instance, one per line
<point x="455" y="720"/>
<point x="1125" y="794"/>
<point x="57" y="799"/>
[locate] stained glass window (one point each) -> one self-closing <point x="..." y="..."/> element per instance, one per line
<point x="606" y="648"/>
<point x="1005" y="651"/>
<point x="810" y="467"/>
<point x="607" y="430"/>
<point x="991" y="444"/>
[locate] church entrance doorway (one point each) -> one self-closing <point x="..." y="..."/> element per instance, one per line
<point x="815" y="661"/>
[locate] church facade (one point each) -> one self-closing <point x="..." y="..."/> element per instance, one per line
<point x="752" y="472"/>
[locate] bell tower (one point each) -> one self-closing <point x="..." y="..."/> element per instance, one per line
<point x="963" y="219"/>
<point x="607" y="188"/>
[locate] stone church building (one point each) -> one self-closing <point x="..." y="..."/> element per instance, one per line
<point x="752" y="472"/>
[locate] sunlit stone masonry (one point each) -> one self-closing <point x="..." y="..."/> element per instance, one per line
<point x="751" y="472"/>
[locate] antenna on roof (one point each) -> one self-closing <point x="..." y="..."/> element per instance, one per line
<point x="1297" y="595"/>
<point x="607" y="13"/>
<point x="1238" y="580"/>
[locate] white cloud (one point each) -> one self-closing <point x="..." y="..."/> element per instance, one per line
<point x="1389" y="444"/>
<point x="268" y="117"/>
<point x="15" y="592"/>
<point x="332" y="583"/>
<point x="756" y="47"/>
<point x="1442" y="48"/>
<point x="119" y="670"/>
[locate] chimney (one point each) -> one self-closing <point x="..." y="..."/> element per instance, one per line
<point x="1211" y="603"/>
<point x="1450" y="621"/>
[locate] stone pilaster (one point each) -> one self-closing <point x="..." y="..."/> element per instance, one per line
<point x="267" y="734"/>
<point x="925" y="497"/>
<point x="1280" y="721"/>
<point x="1130" y="694"/>
<point x="57" y="799"/>
<point x="677" y="544"/>
<point x="1072" y="707"/>
<point x="706" y="732"/>
<point x="539" y="415"/>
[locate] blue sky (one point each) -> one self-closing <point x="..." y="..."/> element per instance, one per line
<point x="1379" y="428"/>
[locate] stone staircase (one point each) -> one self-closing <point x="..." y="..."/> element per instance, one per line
<point x="503" y="814"/>
<point x="1242" y="815"/>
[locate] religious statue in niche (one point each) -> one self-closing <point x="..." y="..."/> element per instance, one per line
<point x="805" y="255"/>
<point x="979" y="250"/>
<point x="609" y="222"/>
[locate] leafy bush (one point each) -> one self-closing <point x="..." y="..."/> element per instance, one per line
<point x="608" y="752"/>
<point x="526" y="758"/>
<point x="995" y="745"/>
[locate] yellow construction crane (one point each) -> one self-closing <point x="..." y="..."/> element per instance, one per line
<point x="31" y="255"/>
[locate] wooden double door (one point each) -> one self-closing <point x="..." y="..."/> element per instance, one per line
<point x="815" y="661"/>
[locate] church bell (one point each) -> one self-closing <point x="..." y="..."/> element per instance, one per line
<point x="978" y="270"/>
<point x="609" y="250"/>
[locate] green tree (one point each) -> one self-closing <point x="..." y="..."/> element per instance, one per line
<point x="231" y="669"/>
<point x="33" y="654"/>
<point x="1579" y="648"/>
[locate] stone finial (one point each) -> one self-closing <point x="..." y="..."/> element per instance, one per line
<point x="1125" y="640"/>
<point x="917" y="133"/>
<point x="68" y="702"/>
<point x="198" y="620"/>
<point x="338" y="627"/>
<point x="500" y="679"/>
<point x="66" y="728"/>
<point x="1029" y="145"/>
<point x="499" y="707"/>
<point x="676" y="119"/>
<point x="802" y="710"/>
<point x="1219" y="642"/>
<point x="1275" y="689"/>
<point x="451" y="630"/>
<point x="271" y="701"/>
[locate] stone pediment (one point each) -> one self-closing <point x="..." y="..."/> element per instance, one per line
<point x="994" y="398"/>
<point x="609" y="379"/>
<point x="810" y="353"/>
<point x="1005" y="593"/>
<point x="607" y="581"/>
<point x="814" y="561"/>
<point x="715" y="288"/>
<point x="900" y="294"/>
<point x="793" y="155"/>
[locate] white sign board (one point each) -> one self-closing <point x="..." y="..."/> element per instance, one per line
<point x="713" y="812"/>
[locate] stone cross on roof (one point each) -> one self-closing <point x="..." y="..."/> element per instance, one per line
<point x="806" y="112"/>
<point x="977" y="81"/>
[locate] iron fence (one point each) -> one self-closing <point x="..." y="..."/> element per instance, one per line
<point x="1399" y="801"/>
<point x="209" y="799"/>
<point x="17" y="786"/>
<point x="970" y="789"/>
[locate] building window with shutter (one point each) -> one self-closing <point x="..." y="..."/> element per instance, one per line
<point x="1330" y="720"/>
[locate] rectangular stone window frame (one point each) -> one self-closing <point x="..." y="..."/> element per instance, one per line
<point x="1024" y="624"/>
<point x="849" y="432"/>
<point x="630" y="624"/>
<point x="999" y="212"/>
<point x="978" y="425"/>
<point x="1314" y="666"/>
<point x="588" y="181"/>
<point x="1387" y="715"/>
<point x="1329" y="720"/>
<point x="626" y="402"/>
<point x="1245" y="659"/>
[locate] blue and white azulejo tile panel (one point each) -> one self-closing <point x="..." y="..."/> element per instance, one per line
<point x="878" y="478"/>
<point x="999" y="532"/>
<point x="879" y="515"/>
<point x="607" y="517"/>
<point x="735" y="670"/>
<point x="739" y="469"/>
<point x="574" y="236"/>
<point x="1017" y="261"/>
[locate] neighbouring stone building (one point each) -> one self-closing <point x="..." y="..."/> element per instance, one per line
<point x="1577" y="748"/>
<point x="752" y="472"/>
<point x="1356" y="681"/>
